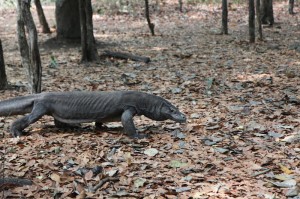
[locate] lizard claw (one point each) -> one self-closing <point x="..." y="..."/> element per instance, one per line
<point x="16" y="133"/>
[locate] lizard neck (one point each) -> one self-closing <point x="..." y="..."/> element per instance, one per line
<point x="152" y="107"/>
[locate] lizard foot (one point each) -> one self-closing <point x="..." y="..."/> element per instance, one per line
<point x="16" y="132"/>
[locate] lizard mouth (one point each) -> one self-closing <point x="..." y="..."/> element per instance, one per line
<point x="179" y="118"/>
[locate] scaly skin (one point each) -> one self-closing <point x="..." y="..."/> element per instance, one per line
<point x="81" y="107"/>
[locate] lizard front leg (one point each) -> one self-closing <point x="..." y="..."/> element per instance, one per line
<point x="127" y="122"/>
<point x="20" y="124"/>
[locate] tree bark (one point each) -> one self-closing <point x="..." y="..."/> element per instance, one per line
<point x="88" y="47"/>
<point x="84" y="56"/>
<point x="266" y="11"/>
<point x="29" y="49"/>
<point x="67" y="19"/>
<point x="251" y="21"/>
<point x="224" y="17"/>
<point x="258" y="20"/>
<point x="180" y="5"/>
<point x="42" y="18"/>
<point x="92" y="50"/>
<point x="291" y="6"/>
<point x="151" y="25"/>
<point x="3" y="78"/>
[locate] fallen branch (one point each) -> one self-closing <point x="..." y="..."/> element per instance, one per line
<point x="102" y="182"/>
<point x="260" y="172"/>
<point x="126" y="56"/>
<point x="13" y="182"/>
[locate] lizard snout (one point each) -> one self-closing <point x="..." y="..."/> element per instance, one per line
<point x="179" y="117"/>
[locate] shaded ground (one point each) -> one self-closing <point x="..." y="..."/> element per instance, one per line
<point x="242" y="101"/>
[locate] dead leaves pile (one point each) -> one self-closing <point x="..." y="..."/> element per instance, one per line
<point x="242" y="136"/>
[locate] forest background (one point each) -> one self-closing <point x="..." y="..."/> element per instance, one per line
<point x="241" y="99"/>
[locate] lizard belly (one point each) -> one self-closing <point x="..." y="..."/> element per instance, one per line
<point x="112" y="118"/>
<point x="84" y="109"/>
<point x="72" y="121"/>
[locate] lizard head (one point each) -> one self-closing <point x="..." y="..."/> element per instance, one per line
<point x="169" y="111"/>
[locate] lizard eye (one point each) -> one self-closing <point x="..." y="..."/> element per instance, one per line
<point x="173" y="111"/>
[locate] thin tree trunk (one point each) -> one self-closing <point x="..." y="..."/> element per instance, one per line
<point x="291" y="6"/>
<point x="92" y="50"/>
<point x="83" y="30"/>
<point x="88" y="47"/>
<point x="266" y="12"/>
<point x="3" y="78"/>
<point x="224" y="17"/>
<point x="180" y="5"/>
<point x="29" y="50"/>
<point x="23" y="45"/>
<point x="151" y="25"/>
<point x="42" y="18"/>
<point x="258" y="20"/>
<point x="271" y="11"/>
<point x="251" y="21"/>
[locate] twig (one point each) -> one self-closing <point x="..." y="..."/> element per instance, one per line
<point x="260" y="172"/>
<point x="3" y="161"/>
<point x="102" y="182"/>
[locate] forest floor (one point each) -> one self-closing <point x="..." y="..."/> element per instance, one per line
<point x="242" y="137"/>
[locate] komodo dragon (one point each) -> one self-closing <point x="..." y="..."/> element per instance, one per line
<point x="81" y="107"/>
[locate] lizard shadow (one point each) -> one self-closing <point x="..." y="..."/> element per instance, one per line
<point x="111" y="128"/>
<point x="78" y="129"/>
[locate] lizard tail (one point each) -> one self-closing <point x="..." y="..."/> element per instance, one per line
<point x="17" y="106"/>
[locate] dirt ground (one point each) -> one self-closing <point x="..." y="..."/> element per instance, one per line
<point x="242" y="138"/>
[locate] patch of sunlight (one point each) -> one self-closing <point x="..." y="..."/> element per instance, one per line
<point x="253" y="77"/>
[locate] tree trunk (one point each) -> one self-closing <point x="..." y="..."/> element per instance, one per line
<point x="251" y="21"/>
<point x="3" y="78"/>
<point x="224" y="17"/>
<point x="258" y="20"/>
<point x="84" y="52"/>
<point x="151" y="25"/>
<point x="42" y="18"/>
<point x="67" y="19"/>
<point x="291" y="6"/>
<point x="88" y="47"/>
<point x="266" y="11"/>
<point x="29" y="49"/>
<point x="180" y="5"/>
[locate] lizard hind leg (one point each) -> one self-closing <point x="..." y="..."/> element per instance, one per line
<point x="20" y="124"/>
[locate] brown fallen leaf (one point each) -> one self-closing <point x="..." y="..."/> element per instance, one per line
<point x="55" y="177"/>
